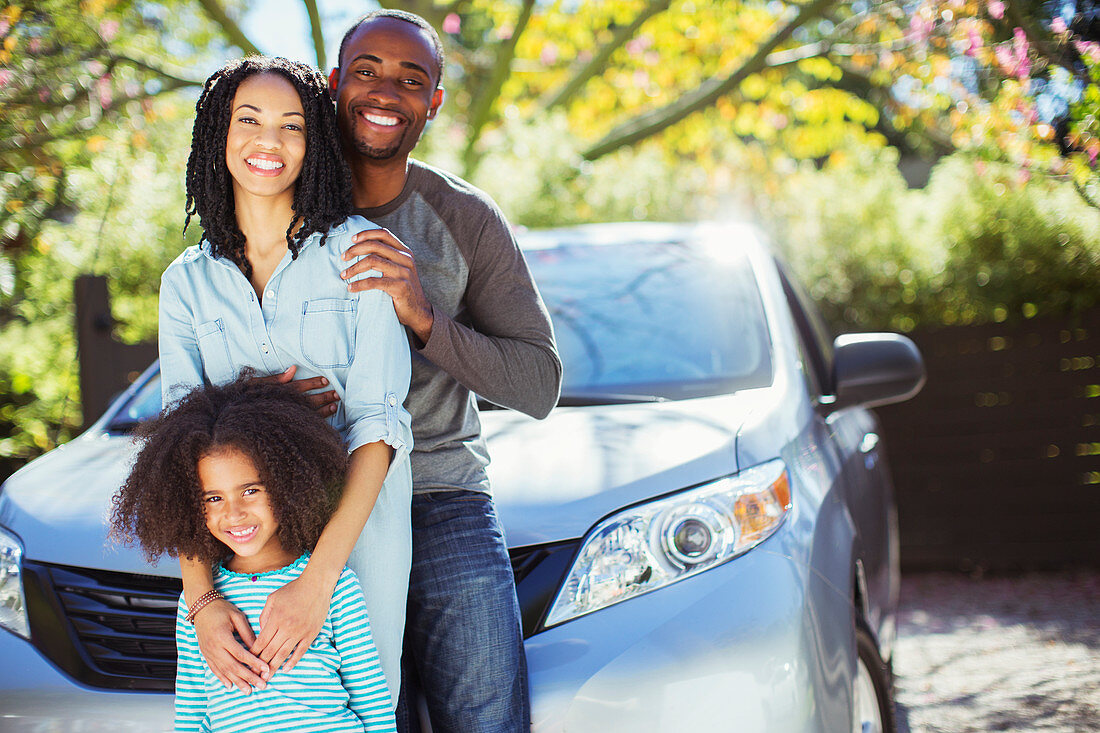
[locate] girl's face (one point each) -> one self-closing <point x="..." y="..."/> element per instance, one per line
<point x="238" y="512"/>
<point x="266" y="143"/>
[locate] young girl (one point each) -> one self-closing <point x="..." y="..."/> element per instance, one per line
<point x="262" y="290"/>
<point x="246" y="476"/>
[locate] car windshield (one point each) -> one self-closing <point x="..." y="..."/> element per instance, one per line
<point x="674" y="318"/>
<point x="636" y="319"/>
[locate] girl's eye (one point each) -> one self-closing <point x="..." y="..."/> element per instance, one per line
<point x="250" y="491"/>
<point x="293" y="128"/>
<point x="212" y="499"/>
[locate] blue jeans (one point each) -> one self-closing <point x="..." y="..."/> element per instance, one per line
<point x="462" y="629"/>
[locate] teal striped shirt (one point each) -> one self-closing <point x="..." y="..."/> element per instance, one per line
<point x="337" y="686"/>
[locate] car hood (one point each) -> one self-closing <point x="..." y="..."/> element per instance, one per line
<point x="58" y="505"/>
<point x="552" y="479"/>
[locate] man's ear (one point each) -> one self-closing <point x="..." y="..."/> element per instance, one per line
<point x="333" y="81"/>
<point x="437" y="102"/>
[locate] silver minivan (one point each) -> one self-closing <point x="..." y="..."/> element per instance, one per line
<point x="703" y="532"/>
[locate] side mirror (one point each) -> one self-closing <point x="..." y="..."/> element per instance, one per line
<point x="872" y="369"/>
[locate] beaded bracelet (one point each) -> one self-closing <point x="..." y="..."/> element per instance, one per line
<point x="200" y="603"/>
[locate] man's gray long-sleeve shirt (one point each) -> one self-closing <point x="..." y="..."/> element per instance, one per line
<point x="491" y="334"/>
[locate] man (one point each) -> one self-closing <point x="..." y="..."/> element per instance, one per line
<point x="477" y="325"/>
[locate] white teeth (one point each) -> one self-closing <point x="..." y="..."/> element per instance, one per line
<point x="267" y="165"/>
<point x="242" y="533"/>
<point x="379" y="120"/>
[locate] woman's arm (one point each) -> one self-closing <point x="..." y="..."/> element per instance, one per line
<point x="377" y="426"/>
<point x="295" y="613"/>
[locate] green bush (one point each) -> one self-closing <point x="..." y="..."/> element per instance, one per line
<point x="980" y="243"/>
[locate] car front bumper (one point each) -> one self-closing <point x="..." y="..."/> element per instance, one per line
<point x="739" y="647"/>
<point x="36" y="696"/>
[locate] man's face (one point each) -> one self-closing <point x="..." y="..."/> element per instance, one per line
<point x="386" y="88"/>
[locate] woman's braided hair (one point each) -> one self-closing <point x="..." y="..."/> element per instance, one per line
<point x="322" y="195"/>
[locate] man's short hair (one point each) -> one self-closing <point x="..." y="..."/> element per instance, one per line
<point x="413" y="18"/>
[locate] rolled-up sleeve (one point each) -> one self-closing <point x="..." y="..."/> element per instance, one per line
<point x="180" y="361"/>
<point x="378" y="379"/>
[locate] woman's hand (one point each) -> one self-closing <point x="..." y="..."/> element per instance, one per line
<point x="292" y="618"/>
<point x="230" y="662"/>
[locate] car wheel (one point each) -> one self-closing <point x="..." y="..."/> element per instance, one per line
<point x="872" y="689"/>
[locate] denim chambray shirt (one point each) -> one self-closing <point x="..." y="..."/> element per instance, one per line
<point x="212" y="325"/>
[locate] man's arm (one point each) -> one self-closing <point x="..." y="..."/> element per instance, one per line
<point x="508" y="356"/>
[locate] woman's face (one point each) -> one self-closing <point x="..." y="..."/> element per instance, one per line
<point x="266" y="143"/>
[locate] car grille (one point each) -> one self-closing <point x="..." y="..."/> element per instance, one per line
<point x="117" y="630"/>
<point x="119" y="627"/>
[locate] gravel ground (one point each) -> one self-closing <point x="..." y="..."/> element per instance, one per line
<point x="1015" y="653"/>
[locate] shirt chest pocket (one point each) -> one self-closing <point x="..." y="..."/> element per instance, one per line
<point x="327" y="332"/>
<point x="214" y="350"/>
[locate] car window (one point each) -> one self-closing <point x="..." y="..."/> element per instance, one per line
<point x="142" y="405"/>
<point x="668" y="319"/>
<point x="665" y="319"/>
<point x="816" y="343"/>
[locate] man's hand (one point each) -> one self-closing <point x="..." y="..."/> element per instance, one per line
<point x="323" y="402"/>
<point x="292" y="618"/>
<point x="230" y="662"/>
<point x="382" y="251"/>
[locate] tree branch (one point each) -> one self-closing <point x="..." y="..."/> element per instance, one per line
<point x="482" y="105"/>
<point x="598" y="63"/>
<point x="229" y="26"/>
<point x="316" y="33"/>
<point x="706" y="94"/>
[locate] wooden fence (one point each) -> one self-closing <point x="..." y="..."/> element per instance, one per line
<point x="997" y="461"/>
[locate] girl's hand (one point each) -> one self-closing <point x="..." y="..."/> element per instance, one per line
<point x="230" y="662"/>
<point x="292" y="618"/>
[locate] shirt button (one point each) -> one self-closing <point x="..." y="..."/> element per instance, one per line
<point x="392" y="400"/>
<point x="269" y="294"/>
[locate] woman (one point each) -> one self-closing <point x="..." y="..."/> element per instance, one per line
<point x="262" y="290"/>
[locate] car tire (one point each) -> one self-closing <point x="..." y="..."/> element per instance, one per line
<point x="872" y="688"/>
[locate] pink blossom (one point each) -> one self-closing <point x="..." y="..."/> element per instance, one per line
<point x="108" y="29"/>
<point x="1019" y="48"/>
<point x="1058" y="25"/>
<point x="975" y="42"/>
<point x="5" y="26"/>
<point x="1094" y="150"/>
<point x="549" y="54"/>
<point x="641" y="79"/>
<point x="980" y="167"/>
<point x="103" y="88"/>
<point x="1091" y="49"/>
<point x="452" y="24"/>
<point x="34" y="45"/>
<point x="5" y="77"/>
<point x="996" y="9"/>
<point x="919" y="28"/>
<point x="1005" y="58"/>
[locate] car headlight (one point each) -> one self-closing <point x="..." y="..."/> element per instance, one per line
<point x="654" y="544"/>
<point x="13" y="610"/>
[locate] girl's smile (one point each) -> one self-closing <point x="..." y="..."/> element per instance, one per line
<point x="238" y="512"/>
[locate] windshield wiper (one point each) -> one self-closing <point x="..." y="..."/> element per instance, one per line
<point x="597" y="398"/>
